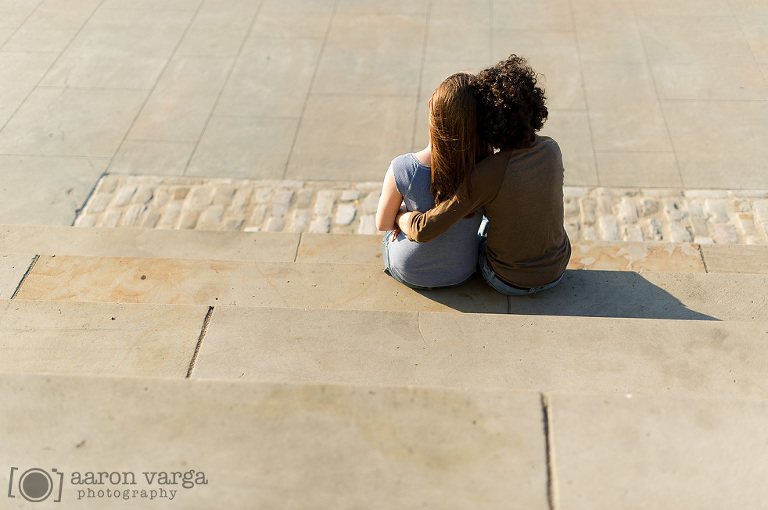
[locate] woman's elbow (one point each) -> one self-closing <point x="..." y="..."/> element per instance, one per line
<point x="382" y="224"/>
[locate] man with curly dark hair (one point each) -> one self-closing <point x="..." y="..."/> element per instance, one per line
<point x="525" y="248"/>
<point x="511" y="106"/>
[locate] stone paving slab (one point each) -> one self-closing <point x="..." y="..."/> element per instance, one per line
<point x="46" y="191"/>
<point x="623" y="256"/>
<point x="650" y="295"/>
<point x="523" y="353"/>
<point x="12" y="271"/>
<point x="353" y="248"/>
<point x="189" y="244"/>
<point x="631" y="94"/>
<point x="243" y="283"/>
<point x="341" y="249"/>
<point x="730" y="258"/>
<point x="653" y="295"/>
<point x="642" y="452"/>
<point x="99" y="338"/>
<point x="332" y="249"/>
<point x="591" y="214"/>
<point x="278" y="446"/>
<point x="592" y="255"/>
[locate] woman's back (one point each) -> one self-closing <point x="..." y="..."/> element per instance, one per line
<point x="448" y="260"/>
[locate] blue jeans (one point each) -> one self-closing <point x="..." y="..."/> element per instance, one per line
<point x="490" y="276"/>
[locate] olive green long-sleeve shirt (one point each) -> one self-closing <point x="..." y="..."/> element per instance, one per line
<point x="522" y="193"/>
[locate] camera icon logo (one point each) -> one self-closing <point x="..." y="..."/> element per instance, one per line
<point x="35" y="484"/>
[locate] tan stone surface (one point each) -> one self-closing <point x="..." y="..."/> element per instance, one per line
<point x="271" y="89"/>
<point x="242" y="147"/>
<point x="619" y="452"/>
<point x="703" y="154"/>
<point x="244" y="283"/>
<point x="341" y="249"/>
<point x="185" y="94"/>
<point x="587" y="354"/>
<point x="267" y="246"/>
<point x="71" y="122"/>
<point x="98" y="338"/>
<point x="331" y="346"/>
<point x="636" y="257"/>
<point x="624" y="110"/>
<point x="652" y="295"/>
<point x="735" y="258"/>
<point x="25" y="200"/>
<point x="486" y="351"/>
<point x="658" y="295"/>
<point x="282" y="446"/>
<point x="12" y="270"/>
<point x="348" y="248"/>
<point x="382" y="130"/>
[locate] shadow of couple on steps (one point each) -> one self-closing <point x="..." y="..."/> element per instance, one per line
<point x="620" y="294"/>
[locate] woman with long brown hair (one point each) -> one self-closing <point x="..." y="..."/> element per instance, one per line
<point x="421" y="180"/>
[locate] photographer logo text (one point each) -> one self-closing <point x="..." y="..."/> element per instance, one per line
<point x="37" y="485"/>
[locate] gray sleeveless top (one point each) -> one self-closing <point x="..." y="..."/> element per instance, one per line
<point x="448" y="259"/>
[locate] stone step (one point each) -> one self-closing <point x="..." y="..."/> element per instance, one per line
<point x="99" y="338"/>
<point x="351" y="248"/>
<point x="610" y="451"/>
<point x="257" y="445"/>
<point x="532" y="353"/>
<point x="135" y="242"/>
<point x="479" y="351"/>
<point x="300" y="446"/>
<point x="13" y="267"/>
<point x="594" y="293"/>
<point x="191" y="244"/>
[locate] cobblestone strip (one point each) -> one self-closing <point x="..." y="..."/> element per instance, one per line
<point x="230" y="204"/>
<point x="611" y="214"/>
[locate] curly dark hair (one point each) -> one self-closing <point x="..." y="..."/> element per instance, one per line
<point x="511" y="107"/>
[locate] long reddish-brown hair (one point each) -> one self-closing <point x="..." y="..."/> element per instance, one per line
<point x="453" y="135"/>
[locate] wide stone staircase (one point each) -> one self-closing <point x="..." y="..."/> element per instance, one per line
<point x="277" y="370"/>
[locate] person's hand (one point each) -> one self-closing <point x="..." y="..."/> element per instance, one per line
<point x="395" y="233"/>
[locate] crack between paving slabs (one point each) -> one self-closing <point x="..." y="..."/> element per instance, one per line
<point x="552" y="498"/>
<point x="24" y="278"/>
<point x="703" y="260"/>
<point x="421" y="333"/>
<point x="203" y="331"/>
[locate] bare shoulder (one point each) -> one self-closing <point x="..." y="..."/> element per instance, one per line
<point x="424" y="156"/>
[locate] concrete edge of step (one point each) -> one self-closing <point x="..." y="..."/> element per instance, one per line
<point x="224" y="383"/>
<point x="350" y="248"/>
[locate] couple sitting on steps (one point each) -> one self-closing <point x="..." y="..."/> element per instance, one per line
<point x="487" y="192"/>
